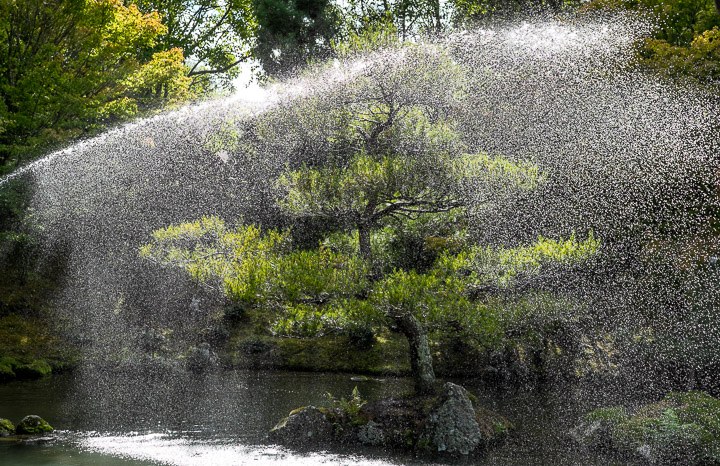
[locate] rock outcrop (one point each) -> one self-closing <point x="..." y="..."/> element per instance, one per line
<point x="304" y="426"/>
<point x="450" y="424"/>
<point x="33" y="425"/>
<point x="683" y="428"/>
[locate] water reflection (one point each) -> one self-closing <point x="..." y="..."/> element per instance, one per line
<point x="171" y="417"/>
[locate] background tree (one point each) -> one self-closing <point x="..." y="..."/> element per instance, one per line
<point x="214" y="35"/>
<point x="289" y="32"/>
<point x="69" y="65"/>
<point x="390" y="151"/>
<point x="471" y="11"/>
<point x="385" y="154"/>
<point x="407" y="18"/>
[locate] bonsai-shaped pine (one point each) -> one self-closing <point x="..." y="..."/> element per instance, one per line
<point x="320" y="291"/>
<point x="386" y="150"/>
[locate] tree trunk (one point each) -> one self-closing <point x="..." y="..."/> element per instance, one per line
<point x="438" y="19"/>
<point x="420" y="358"/>
<point x="364" y="240"/>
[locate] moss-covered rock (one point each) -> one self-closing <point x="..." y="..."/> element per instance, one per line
<point x="201" y="359"/>
<point x="24" y="340"/>
<point x="683" y="428"/>
<point x="35" y="370"/>
<point x="6" y="427"/>
<point x="33" y="425"/>
<point x="450" y="424"/>
<point x="303" y="426"/>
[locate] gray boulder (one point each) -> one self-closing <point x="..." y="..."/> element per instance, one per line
<point x="304" y="426"/>
<point x="371" y="434"/>
<point x="452" y="426"/>
<point x="201" y="359"/>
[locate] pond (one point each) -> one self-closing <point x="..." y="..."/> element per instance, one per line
<point x="223" y="419"/>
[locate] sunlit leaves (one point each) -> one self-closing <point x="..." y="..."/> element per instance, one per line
<point x="319" y="275"/>
<point x="684" y="42"/>
<point x="254" y="266"/>
<point x="166" y="68"/>
<point x="500" y="266"/>
<point x="699" y="60"/>
<point x="72" y="64"/>
<point x="239" y="261"/>
<point x="214" y="35"/>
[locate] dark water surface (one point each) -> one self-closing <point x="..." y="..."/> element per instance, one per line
<point x="222" y="419"/>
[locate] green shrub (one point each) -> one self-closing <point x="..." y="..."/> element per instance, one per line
<point x="35" y="370"/>
<point x="7" y="369"/>
<point x="349" y="407"/>
<point x="682" y="427"/>
<point x="316" y="276"/>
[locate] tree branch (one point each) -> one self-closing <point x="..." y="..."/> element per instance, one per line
<point x="217" y="70"/>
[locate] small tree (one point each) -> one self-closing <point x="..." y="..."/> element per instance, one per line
<point x="322" y="291"/>
<point x="69" y="65"/>
<point x="390" y="149"/>
<point x="385" y="148"/>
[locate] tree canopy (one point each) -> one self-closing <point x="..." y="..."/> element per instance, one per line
<point x="290" y="33"/>
<point x="71" y="64"/>
<point x="214" y="35"/>
<point x="384" y="156"/>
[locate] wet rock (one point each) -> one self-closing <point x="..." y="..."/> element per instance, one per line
<point x="6" y="427"/>
<point x="371" y="434"/>
<point x="304" y="426"/>
<point x="593" y="434"/>
<point x="152" y="341"/>
<point x="33" y="425"/>
<point x="35" y="370"/>
<point x="201" y="359"/>
<point x="452" y="426"/>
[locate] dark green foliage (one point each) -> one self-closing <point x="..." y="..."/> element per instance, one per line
<point x="35" y="370"/>
<point x="14" y="198"/>
<point x="235" y="312"/>
<point x="31" y="343"/>
<point x="478" y="10"/>
<point x="685" y="39"/>
<point x="7" y="369"/>
<point x="254" y="345"/>
<point x="679" y="21"/>
<point x="360" y="335"/>
<point x="291" y="32"/>
<point x="683" y="427"/>
<point x="17" y="244"/>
